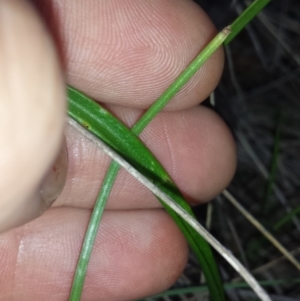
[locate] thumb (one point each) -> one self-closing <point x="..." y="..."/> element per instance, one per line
<point x="32" y="115"/>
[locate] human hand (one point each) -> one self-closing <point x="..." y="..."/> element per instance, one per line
<point x="123" y="53"/>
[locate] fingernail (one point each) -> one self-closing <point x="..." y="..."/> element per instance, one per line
<point x="55" y="180"/>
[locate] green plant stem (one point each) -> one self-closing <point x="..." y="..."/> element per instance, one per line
<point x="225" y="36"/>
<point x="108" y="182"/>
<point x="91" y="232"/>
<point x="180" y="81"/>
<point x="248" y="14"/>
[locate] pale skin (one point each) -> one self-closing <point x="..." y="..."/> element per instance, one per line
<point x="123" y="53"/>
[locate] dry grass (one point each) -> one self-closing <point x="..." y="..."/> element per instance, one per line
<point x="259" y="98"/>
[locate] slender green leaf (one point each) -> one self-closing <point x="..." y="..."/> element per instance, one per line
<point x="106" y="127"/>
<point x="92" y="116"/>
<point x="90" y="235"/>
<point x="243" y="19"/>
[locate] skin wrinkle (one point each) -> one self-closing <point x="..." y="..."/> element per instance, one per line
<point x="120" y="93"/>
<point x="18" y="234"/>
<point x="171" y="162"/>
<point x="28" y="107"/>
<point x="160" y="245"/>
<point x="149" y="21"/>
<point x="194" y="133"/>
<point x="156" y="264"/>
<point x="52" y="242"/>
<point x="167" y="21"/>
<point x="114" y="81"/>
<point x="148" y="47"/>
<point x="45" y="276"/>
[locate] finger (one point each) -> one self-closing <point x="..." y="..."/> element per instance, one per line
<point x="127" y="52"/>
<point x="31" y="113"/>
<point x="136" y="253"/>
<point x="194" y="146"/>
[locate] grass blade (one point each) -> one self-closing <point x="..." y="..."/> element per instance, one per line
<point x="248" y="14"/>
<point x="80" y="112"/>
<point x="184" y="215"/>
<point x="198" y="244"/>
<point x="106" y="127"/>
<point x="261" y="228"/>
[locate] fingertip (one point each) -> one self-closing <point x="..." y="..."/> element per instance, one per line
<point x="32" y="114"/>
<point x="131" y="62"/>
<point x="136" y="253"/>
<point x="196" y="148"/>
<point x="216" y="157"/>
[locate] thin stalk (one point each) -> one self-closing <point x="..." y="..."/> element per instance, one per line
<point x="225" y="35"/>
<point x="243" y="19"/>
<point x="113" y="169"/>
<point x="262" y="229"/>
<point x="166" y="199"/>
<point x="91" y="232"/>
<point x="180" y="81"/>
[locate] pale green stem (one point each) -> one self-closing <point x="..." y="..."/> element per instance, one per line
<point x="108" y="182"/>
